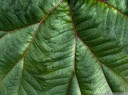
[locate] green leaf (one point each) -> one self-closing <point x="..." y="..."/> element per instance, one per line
<point x="121" y="5"/>
<point x="63" y="47"/>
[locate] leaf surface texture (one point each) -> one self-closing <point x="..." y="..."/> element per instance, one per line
<point x="68" y="47"/>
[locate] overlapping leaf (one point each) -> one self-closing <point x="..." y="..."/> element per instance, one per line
<point x="69" y="47"/>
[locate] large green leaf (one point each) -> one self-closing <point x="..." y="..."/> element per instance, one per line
<point x="68" y="47"/>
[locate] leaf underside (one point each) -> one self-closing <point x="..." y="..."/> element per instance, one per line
<point x="63" y="47"/>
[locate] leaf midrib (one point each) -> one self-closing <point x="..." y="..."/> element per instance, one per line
<point x="77" y="37"/>
<point x="110" y="5"/>
<point x="32" y="39"/>
<point x="39" y="22"/>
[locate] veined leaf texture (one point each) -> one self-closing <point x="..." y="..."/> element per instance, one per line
<point x="63" y="47"/>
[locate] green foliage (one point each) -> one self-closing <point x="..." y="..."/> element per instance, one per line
<point x="63" y="47"/>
